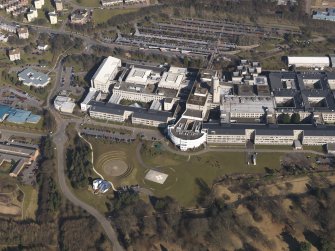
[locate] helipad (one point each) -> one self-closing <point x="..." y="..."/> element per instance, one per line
<point x="156" y="176"/>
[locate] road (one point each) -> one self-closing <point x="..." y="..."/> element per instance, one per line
<point x="60" y="139"/>
<point x="308" y="4"/>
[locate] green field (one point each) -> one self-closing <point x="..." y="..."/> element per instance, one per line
<point x="102" y="15"/>
<point x="279" y="147"/>
<point x="30" y="202"/>
<point x="6" y="167"/>
<point x="88" y="3"/>
<point x="26" y="126"/>
<point x="184" y="171"/>
<point x="97" y="201"/>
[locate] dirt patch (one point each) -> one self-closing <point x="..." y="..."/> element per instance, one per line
<point x="5" y="199"/>
<point x="268" y="228"/>
<point x="226" y="194"/>
<point x="10" y="209"/>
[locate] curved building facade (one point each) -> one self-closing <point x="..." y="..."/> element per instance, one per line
<point x="186" y="139"/>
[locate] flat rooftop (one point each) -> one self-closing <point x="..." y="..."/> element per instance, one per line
<point x="106" y="69"/>
<point x="138" y="76"/>
<point x="146" y="89"/>
<point x="239" y="129"/>
<point x="137" y="112"/>
<point x="247" y="105"/>
<point x="187" y="129"/>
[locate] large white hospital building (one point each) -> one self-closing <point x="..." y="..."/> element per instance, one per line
<point x="199" y="107"/>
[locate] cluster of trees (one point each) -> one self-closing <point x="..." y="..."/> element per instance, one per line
<point x="84" y="62"/>
<point x="162" y="222"/>
<point x="48" y="121"/>
<point x="7" y="77"/>
<point x="26" y="233"/>
<point x="147" y="149"/>
<point x="131" y="17"/>
<point x="79" y="165"/>
<point x="285" y="118"/>
<point x="74" y="234"/>
<point x="87" y="28"/>
<point x="49" y="198"/>
<point x="61" y="42"/>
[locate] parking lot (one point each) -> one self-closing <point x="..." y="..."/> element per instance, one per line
<point x="112" y="136"/>
<point x="17" y="98"/>
<point x="28" y="174"/>
<point x="198" y="36"/>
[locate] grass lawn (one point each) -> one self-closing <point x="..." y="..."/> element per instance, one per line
<point x="30" y="126"/>
<point x="102" y="15"/>
<point x="314" y="148"/>
<point x="183" y="171"/>
<point x="88" y="3"/>
<point x="30" y="202"/>
<point x="96" y="201"/>
<point x="5" y="167"/>
<point x="279" y="147"/>
<point x="47" y="56"/>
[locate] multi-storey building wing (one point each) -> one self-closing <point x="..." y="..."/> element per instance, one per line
<point x="206" y="107"/>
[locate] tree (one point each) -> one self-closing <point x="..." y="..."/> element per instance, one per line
<point x="284" y="118"/>
<point x="305" y="246"/>
<point x="295" y="118"/>
<point x="288" y="38"/>
<point x="325" y="245"/>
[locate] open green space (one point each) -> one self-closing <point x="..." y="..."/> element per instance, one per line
<point x="102" y="15"/>
<point x="184" y="172"/>
<point x="279" y="147"/>
<point x="30" y="202"/>
<point x="26" y="126"/>
<point x="45" y="58"/>
<point x="5" y="167"/>
<point x="97" y="201"/>
<point x="88" y="3"/>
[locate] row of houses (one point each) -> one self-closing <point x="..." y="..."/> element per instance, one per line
<point x="22" y="32"/>
<point x="15" y="7"/>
